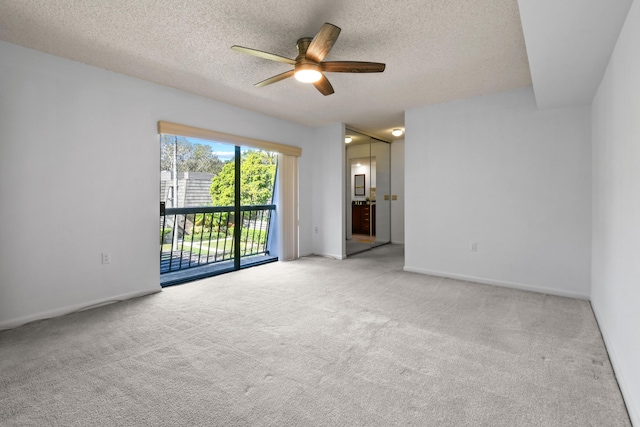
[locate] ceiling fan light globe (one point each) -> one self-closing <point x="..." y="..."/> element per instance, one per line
<point x="308" y="76"/>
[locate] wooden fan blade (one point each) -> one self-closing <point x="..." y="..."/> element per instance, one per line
<point x="352" y="67"/>
<point x="264" y="55"/>
<point x="322" y="42"/>
<point x="275" y="79"/>
<point x="324" y="86"/>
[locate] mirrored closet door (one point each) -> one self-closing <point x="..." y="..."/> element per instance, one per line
<point x="368" y="189"/>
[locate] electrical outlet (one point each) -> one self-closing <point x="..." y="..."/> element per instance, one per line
<point x="473" y="247"/>
<point x="106" y="258"/>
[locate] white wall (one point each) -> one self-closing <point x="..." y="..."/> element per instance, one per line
<point x="328" y="216"/>
<point x="497" y="171"/>
<point x="68" y="129"/>
<point x="615" y="293"/>
<point x="397" y="188"/>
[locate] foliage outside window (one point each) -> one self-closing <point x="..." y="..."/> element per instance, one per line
<point x="257" y="176"/>
<point x="192" y="157"/>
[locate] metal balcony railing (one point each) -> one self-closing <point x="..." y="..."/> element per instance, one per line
<point x="197" y="236"/>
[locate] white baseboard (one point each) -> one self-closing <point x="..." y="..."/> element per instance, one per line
<point x="514" y="285"/>
<point x="633" y="412"/>
<point x="19" y="321"/>
<point x="326" y="255"/>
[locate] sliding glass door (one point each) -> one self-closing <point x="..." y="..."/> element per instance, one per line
<point x="216" y="208"/>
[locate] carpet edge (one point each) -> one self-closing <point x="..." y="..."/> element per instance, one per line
<point x="633" y="414"/>
<point x="504" y="284"/>
<point x="19" y="321"/>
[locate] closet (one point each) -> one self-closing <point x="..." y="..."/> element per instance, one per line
<point x="368" y="189"/>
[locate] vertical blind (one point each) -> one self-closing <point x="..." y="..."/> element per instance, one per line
<point x="288" y="166"/>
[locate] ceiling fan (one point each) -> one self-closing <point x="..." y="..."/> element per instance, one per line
<point x="308" y="66"/>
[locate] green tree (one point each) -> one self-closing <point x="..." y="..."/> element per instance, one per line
<point x="257" y="177"/>
<point x="191" y="157"/>
<point x="222" y="186"/>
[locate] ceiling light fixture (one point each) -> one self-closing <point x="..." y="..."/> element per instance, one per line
<point x="397" y="132"/>
<point x="308" y="72"/>
<point x="348" y="139"/>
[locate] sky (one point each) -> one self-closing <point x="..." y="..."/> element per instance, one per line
<point x="223" y="151"/>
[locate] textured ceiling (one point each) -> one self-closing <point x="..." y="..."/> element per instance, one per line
<point x="435" y="50"/>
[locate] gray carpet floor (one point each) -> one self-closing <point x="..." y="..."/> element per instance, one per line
<point x="315" y="342"/>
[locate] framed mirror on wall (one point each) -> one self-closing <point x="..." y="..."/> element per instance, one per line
<point x="368" y="185"/>
<point x="358" y="185"/>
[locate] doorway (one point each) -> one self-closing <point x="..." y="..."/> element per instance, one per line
<point x="368" y="189"/>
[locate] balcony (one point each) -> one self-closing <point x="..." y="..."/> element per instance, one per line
<point x="197" y="242"/>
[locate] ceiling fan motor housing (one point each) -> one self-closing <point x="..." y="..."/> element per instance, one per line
<point x="302" y="45"/>
<point x="306" y="70"/>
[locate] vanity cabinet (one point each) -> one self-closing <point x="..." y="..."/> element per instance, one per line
<point x="363" y="218"/>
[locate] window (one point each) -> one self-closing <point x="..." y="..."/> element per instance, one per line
<point x="217" y="220"/>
